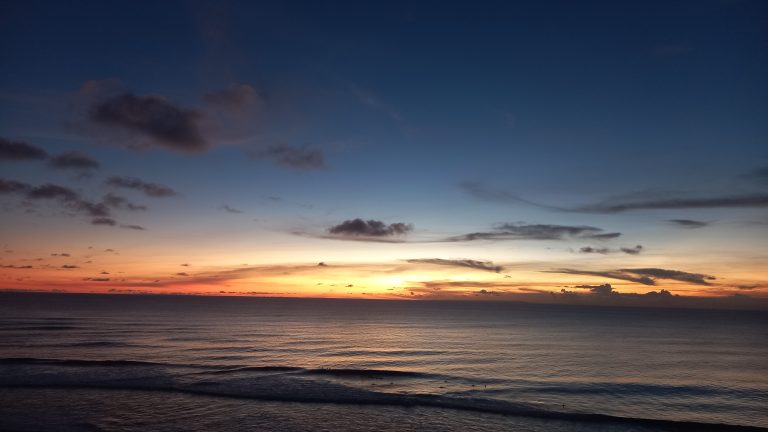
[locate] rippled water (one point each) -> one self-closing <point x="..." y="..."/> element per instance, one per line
<point x="569" y="365"/>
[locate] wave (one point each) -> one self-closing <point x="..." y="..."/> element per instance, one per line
<point x="291" y="384"/>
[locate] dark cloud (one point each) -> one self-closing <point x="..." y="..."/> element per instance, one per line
<point x="238" y="97"/>
<point x="104" y="221"/>
<point x="182" y="274"/>
<point x="486" y="292"/>
<point x="133" y="227"/>
<point x="521" y="231"/>
<point x="608" y="274"/>
<point x="751" y="286"/>
<point x="468" y="263"/>
<point x="149" y="189"/>
<point x="695" y="278"/>
<point x="602" y="290"/>
<point x="633" y="250"/>
<point x="74" y="160"/>
<point x="590" y="250"/>
<point x="19" y="151"/>
<point x="69" y="266"/>
<point x="369" y="229"/>
<point x="229" y="209"/>
<point x="12" y="186"/>
<point x="66" y="196"/>
<point x="301" y="158"/>
<point x="154" y="117"/>
<point x="688" y="223"/>
<point x="118" y="202"/>
<point x="727" y="201"/>
<point x="645" y="276"/>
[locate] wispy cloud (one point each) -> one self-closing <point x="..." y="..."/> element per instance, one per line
<point x="467" y="263"/>
<point x="618" y="205"/>
<point x="300" y="158"/>
<point x="118" y="202"/>
<point x="149" y="189"/>
<point x="645" y="276"/>
<point x="483" y="192"/>
<point x="74" y="160"/>
<point x="688" y="223"/>
<point x="611" y="274"/>
<point x="630" y="203"/>
<point x="229" y="209"/>
<point x="522" y="231"/>
<point x="636" y="250"/>
<point x="237" y="97"/>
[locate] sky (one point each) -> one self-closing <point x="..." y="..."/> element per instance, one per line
<point x="552" y="152"/>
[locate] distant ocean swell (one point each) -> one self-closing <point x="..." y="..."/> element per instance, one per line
<point x="301" y="385"/>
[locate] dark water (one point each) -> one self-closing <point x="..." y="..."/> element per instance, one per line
<point x="97" y="362"/>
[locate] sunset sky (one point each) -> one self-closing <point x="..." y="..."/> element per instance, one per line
<point x="569" y="152"/>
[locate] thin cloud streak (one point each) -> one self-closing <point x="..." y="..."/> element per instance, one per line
<point x="465" y="263"/>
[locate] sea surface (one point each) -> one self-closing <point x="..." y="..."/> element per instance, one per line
<point x="172" y="363"/>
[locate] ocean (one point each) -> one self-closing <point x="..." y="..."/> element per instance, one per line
<point x="171" y="363"/>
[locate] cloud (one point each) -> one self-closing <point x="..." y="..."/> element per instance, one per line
<point x="605" y="251"/>
<point x="237" y="97"/>
<point x="100" y="212"/>
<point x="601" y="290"/>
<point x="633" y="250"/>
<point x="468" y="263"/>
<point x="69" y="266"/>
<point x="370" y="229"/>
<point x="590" y="250"/>
<point x="695" y="278"/>
<point x="618" y="205"/>
<point x="645" y="276"/>
<point x="486" y="193"/>
<point x="66" y="196"/>
<point x="751" y="286"/>
<point x="521" y="231"/>
<point x="104" y="221"/>
<point x="154" y="117"/>
<point x="688" y="223"/>
<point x="607" y="274"/>
<point x="229" y="209"/>
<point x="301" y="158"/>
<point x="149" y="189"/>
<point x="133" y="227"/>
<point x="119" y="202"/>
<point x="12" y="186"/>
<point x="74" y="160"/>
<point x="622" y="204"/>
<point x="20" y="151"/>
